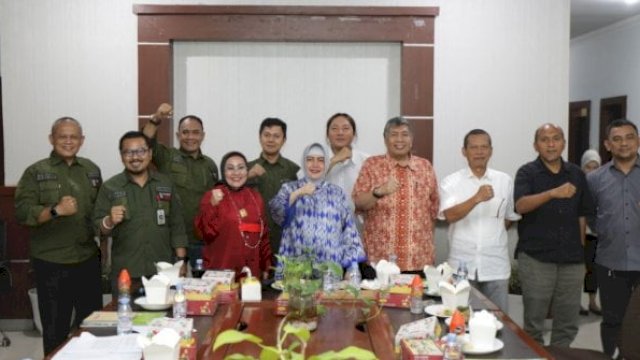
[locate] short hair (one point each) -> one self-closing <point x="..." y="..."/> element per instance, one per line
<point x="620" y="123"/>
<point x="192" y="117"/>
<point x="135" y="135"/>
<point x="346" y="116"/>
<point x="475" y="132"/>
<point x="64" y="119"/>
<point x="395" y="122"/>
<point x="272" y="121"/>
<point x="535" y="135"/>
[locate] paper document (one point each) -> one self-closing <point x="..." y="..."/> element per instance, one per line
<point x="91" y="347"/>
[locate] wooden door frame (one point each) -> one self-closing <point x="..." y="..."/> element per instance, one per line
<point x="576" y="111"/>
<point x="604" y="121"/>
<point x="159" y="26"/>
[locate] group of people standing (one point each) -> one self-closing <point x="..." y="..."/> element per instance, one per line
<point x="342" y="205"/>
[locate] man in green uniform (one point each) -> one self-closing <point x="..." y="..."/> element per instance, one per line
<point x="268" y="172"/>
<point x="55" y="198"/>
<point x="141" y="210"/>
<point x="192" y="172"/>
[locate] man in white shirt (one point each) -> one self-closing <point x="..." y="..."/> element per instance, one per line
<point x="345" y="164"/>
<point x="477" y="202"/>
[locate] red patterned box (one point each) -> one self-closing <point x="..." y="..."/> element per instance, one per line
<point x="188" y="349"/>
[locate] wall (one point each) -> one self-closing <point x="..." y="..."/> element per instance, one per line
<point x="604" y="64"/>
<point x="501" y="65"/>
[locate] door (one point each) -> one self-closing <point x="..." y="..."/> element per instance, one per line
<point x="610" y="109"/>
<point x="579" y="125"/>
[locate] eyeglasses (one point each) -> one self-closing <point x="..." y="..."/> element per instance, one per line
<point x="134" y="152"/>
<point x="239" y="168"/>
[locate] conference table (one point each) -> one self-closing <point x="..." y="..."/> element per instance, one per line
<point x="337" y="329"/>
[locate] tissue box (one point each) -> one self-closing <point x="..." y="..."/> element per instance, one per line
<point x="399" y="294"/>
<point x="188" y="349"/>
<point x="251" y="289"/>
<point x="182" y="326"/>
<point x="420" y="349"/>
<point x="201" y="297"/>
<point x="224" y="278"/>
<point x="226" y="294"/>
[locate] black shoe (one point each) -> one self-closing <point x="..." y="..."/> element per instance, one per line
<point x="583" y="311"/>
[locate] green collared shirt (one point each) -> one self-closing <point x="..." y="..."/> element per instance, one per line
<point x="66" y="239"/>
<point x="268" y="185"/>
<point x="192" y="177"/>
<point x="143" y="238"/>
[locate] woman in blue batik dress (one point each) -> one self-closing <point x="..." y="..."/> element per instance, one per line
<point x="315" y="215"/>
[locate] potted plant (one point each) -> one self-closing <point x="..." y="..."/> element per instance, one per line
<point x="302" y="280"/>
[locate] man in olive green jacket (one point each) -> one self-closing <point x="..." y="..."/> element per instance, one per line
<point x="141" y="210"/>
<point x="192" y="172"/>
<point x="55" y="199"/>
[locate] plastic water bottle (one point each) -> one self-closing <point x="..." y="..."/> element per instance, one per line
<point x="198" y="270"/>
<point x="452" y="350"/>
<point x="328" y="281"/>
<point x="125" y="316"/>
<point x="463" y="272"/>
<point x="179" y="302"/>
<point x="354" y="276"/>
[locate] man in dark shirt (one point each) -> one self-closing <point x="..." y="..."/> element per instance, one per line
<point x="616" y="189"/>
<point x="553" y="198"/>
<point x="269" y="171"/>
<point x="55" y="198"/>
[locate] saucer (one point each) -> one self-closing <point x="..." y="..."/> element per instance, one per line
<point x="469" y="349"/>
<point x="439" y="311"/>
<point x="277" y="285"/>
<point x="499" y="324"/>
<point x="142" y="302"/>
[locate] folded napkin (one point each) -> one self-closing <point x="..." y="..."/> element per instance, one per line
<point x="157" y="289"/>
<point x="436" y="274"/>
<point x="455" y="295"/>
<point x="419" y="329"/>
<point x="172" y="271"/>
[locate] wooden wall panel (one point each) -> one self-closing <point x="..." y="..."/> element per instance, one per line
<point x="413" y="27"/>
<point x="155" y="84"/>
<point x="417" y="80"/>
<point x="422" y="138"/>
<point x="15" y="303"/>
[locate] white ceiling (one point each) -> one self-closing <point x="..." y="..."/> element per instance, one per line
<point x="590" y="15"/>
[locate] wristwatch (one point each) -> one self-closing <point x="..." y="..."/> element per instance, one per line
<point x="376" y="195"/>
<point x="53" y="212"/>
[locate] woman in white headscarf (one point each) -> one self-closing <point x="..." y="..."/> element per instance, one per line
<point x="315" y="215"/>
<point x="590" y="161"/>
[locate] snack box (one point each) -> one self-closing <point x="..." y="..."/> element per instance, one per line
<point x="224" y="278"/>
<point x="201" y="296"/>
<point x="188" y="349"/>
<point x="421" y="349"/>
<point x="228" y="293"/>
<point x="399" y="294"/>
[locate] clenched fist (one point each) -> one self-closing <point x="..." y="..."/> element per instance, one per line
<point x="117" y="214"/>
<point x="216" y="196"/>
<point x="563" y="191"/>
<point x="485" y="193"/>
<point x="68" y="205"/>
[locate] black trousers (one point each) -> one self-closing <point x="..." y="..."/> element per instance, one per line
<point x="615" y="290"/>
<point x="61" y="288"/>
<point x="590" y="281"/>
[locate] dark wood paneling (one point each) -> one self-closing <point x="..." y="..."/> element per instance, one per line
<point x="279" y="28"/>
<point x="147" y="9"/>
<point x="417" y="81"/>
<point x="423" y="138"/>
<point x="15" y="303"/>
<point x="155" y="84"/>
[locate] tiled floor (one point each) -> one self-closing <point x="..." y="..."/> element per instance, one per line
<point x="28" y="344"/>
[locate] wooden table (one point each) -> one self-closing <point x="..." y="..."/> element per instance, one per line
<point x="336" y="329"/>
